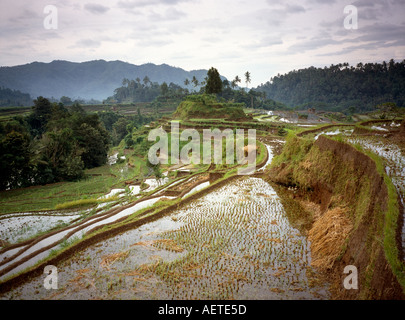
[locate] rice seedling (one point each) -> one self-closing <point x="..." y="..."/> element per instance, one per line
<point x="108" y="260"/>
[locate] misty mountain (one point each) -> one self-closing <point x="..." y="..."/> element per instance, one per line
<point x="87" y="80"/>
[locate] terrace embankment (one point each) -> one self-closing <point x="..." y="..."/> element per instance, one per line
<point x="355" y="214"/>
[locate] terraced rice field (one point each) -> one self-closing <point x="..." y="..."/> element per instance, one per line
<point x="18" y="227"/>
<point x="394" y="160"/>
<point x="233" y="243"/>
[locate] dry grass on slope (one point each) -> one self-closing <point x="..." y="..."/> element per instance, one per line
<point x="327" y="236"/>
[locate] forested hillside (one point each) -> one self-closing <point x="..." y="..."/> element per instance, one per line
<point x="340" y="87"/>
<point x="15" y="98"/>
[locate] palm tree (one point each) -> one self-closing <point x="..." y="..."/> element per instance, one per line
<point x="247" y="78"/>
<point x="125" y="81"/>
<point x="235" y="82"/>
<point x="195" y="82"/>
<point x="146" y="80"/>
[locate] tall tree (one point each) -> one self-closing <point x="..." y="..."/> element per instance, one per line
<point x="195" y="82"/>
<point x="146" y="81"/>
<point x="164" y="89"/>
<point x="66" y="101"/>
<point x="125" y="82"/>
<point x="40" y="115"/>
<point x="62" y="155"/>
<point x="187" y="83"/>
<point x="247" y="78"/>
<point x="14" y="156"/>
<point x="214" y="82"/>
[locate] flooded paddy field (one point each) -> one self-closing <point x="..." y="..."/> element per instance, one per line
<point x="235" y="242"/>
<point x="18" y="227"/>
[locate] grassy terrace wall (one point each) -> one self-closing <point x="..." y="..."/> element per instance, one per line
<point x="206" y="106"/>
<point x="357" y="221"/>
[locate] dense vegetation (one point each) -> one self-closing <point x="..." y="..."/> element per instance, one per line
<point x="340" y="87"/>
<point x="133" y="91"/>
<point x="51" y="144"/>
<point x="15" y="98"/>
<point x="214" y="82"/>
<point x="207" y="106"/>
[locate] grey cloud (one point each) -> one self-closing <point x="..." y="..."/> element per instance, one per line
<point x="313" y="43"/>
<point x="169" y="14"/>
<point x="27" y="14"/>
<point x="370" y="46"/>
<point x="132" y="4"/>
<point x="372" y="37"/>
<point x="323" y="1"/>
<point x="274" y="2"/>
<point x="265" y="42"/>
<point x="276" y="16"/>
<point x="282" y="7"/>
<point x="380" y="32"/>
<point x="96" y="8"/>
<point x="363" y="3"/>
<point x="154" y="42"/>
<point x="369" y="14"/>
<point x="87" y="43"/>
<point x="332" y="23"/>
<point x="294" y="8"/>
<point x="368" y="3"/>
<point x="174" y="14"/>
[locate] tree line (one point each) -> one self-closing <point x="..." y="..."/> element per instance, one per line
<point x="14" y="98"/>
<point x="133" y="91"/>
<point x="51" y="144"/>
<point x="230" y="91"/>
<point x="56" y="143"/>
<point x="340" y="87"/>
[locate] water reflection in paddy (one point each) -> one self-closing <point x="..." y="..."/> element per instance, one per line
<point x="233" y="243"/>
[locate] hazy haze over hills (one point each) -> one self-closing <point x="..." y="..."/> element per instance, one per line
<point x="88" y="80"/>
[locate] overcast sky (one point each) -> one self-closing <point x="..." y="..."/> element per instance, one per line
<point x="264" y="37"/>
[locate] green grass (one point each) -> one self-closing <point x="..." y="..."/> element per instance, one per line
<point x="206" y="106"/>
<point x="294" y="151"/>
<point x="83" y="203"/>
<point x="99" y="182"/>
<point x="391" y="215"/>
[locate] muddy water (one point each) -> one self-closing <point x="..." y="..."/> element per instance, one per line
<point x="233" y="243"/>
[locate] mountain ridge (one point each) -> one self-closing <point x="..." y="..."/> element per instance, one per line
<point x="95" y="79"/>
